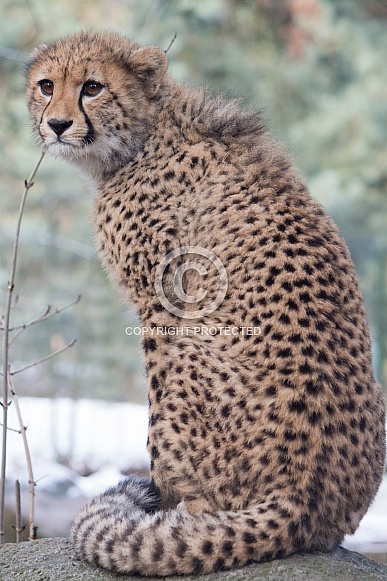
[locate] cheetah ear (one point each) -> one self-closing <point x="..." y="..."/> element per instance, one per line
<point x="149" y="65"/>
<point x="36" y="53"/>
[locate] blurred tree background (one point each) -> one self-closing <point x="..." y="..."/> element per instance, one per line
<point x="316" y="68"/>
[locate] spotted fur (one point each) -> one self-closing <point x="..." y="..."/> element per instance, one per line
<point x="260" y="445"/>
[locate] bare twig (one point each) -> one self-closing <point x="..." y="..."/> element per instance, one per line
<point x="48" y="313"/>
<point x="36" y="319"/>
<point x="21" y="328"/>
<point x="32" y="484"/>
<point x="13" y="429"/>
<point x="27" y="185"/>
<point x="50" y="356"/>
<point x="19" y="528"/>
<point x="171" y="43"/>
<point x="13" y="304"/>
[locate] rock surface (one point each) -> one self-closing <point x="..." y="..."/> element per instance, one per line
<point x="52" y="560"/>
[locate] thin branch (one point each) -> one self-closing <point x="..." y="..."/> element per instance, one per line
<point x="15" y="301"/>
<point x="171" y="43"/>
<point x="15" y="399"/>
<point x="42" y="478"/>
<point x="36" y="319"/>
<point x="50" y="356"/>
<point x="27" y="185"/>
<point x="19" y="528"/>
<point x="13" y="429"/>
<point x="39" y="318"/>
<point x="22" y="328"/>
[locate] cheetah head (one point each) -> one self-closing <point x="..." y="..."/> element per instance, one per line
<point x="92" y="98"/>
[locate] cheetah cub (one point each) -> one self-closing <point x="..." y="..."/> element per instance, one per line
<point x="266" y="424"/>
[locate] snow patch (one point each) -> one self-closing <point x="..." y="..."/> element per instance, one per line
<point x="87" y="433"/>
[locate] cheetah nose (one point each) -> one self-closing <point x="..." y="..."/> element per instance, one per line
<point x="59" y="125"/>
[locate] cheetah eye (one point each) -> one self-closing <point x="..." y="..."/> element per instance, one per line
<point x="91" y="88"/>
<point x="47" y="87"/>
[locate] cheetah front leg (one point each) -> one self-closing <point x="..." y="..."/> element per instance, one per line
<point x="193" y="428"/>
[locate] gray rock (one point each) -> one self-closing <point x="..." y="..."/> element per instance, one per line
<point x="53" y="560"/>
